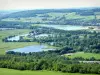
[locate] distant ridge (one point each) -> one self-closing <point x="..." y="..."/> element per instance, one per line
<point x="32" y="13"/>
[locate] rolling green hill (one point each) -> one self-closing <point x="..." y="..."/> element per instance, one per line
<point x="89" y="16"/>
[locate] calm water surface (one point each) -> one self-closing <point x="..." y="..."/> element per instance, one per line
<point x="34" y="48"/>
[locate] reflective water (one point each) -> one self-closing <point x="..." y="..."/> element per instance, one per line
<point x="66" y="27"/>
<point x="34" y="48"/>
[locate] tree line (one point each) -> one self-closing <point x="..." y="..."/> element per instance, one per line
<point x="48" y="60"/>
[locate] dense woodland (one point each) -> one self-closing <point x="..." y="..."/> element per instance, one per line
<point x="50" y="60"/>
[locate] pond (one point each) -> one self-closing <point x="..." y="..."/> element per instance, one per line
<point x="34" y="48"/>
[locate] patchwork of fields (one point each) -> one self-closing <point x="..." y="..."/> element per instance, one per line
<point x="43" y="18"/>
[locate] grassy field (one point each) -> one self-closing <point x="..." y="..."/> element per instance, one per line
<point x="11" y="45"/>
<point x="84" y="55"/>
<point x="17" y="72"/>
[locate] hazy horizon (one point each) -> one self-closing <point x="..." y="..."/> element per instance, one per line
<point x="46" y="4"/>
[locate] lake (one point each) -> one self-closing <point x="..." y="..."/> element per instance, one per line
<point x="34" y="48"/>
<point x="66" y="27"/>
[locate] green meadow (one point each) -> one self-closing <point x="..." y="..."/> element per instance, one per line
<point x="18" y="72"/>
<point x="84" y="55"/>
